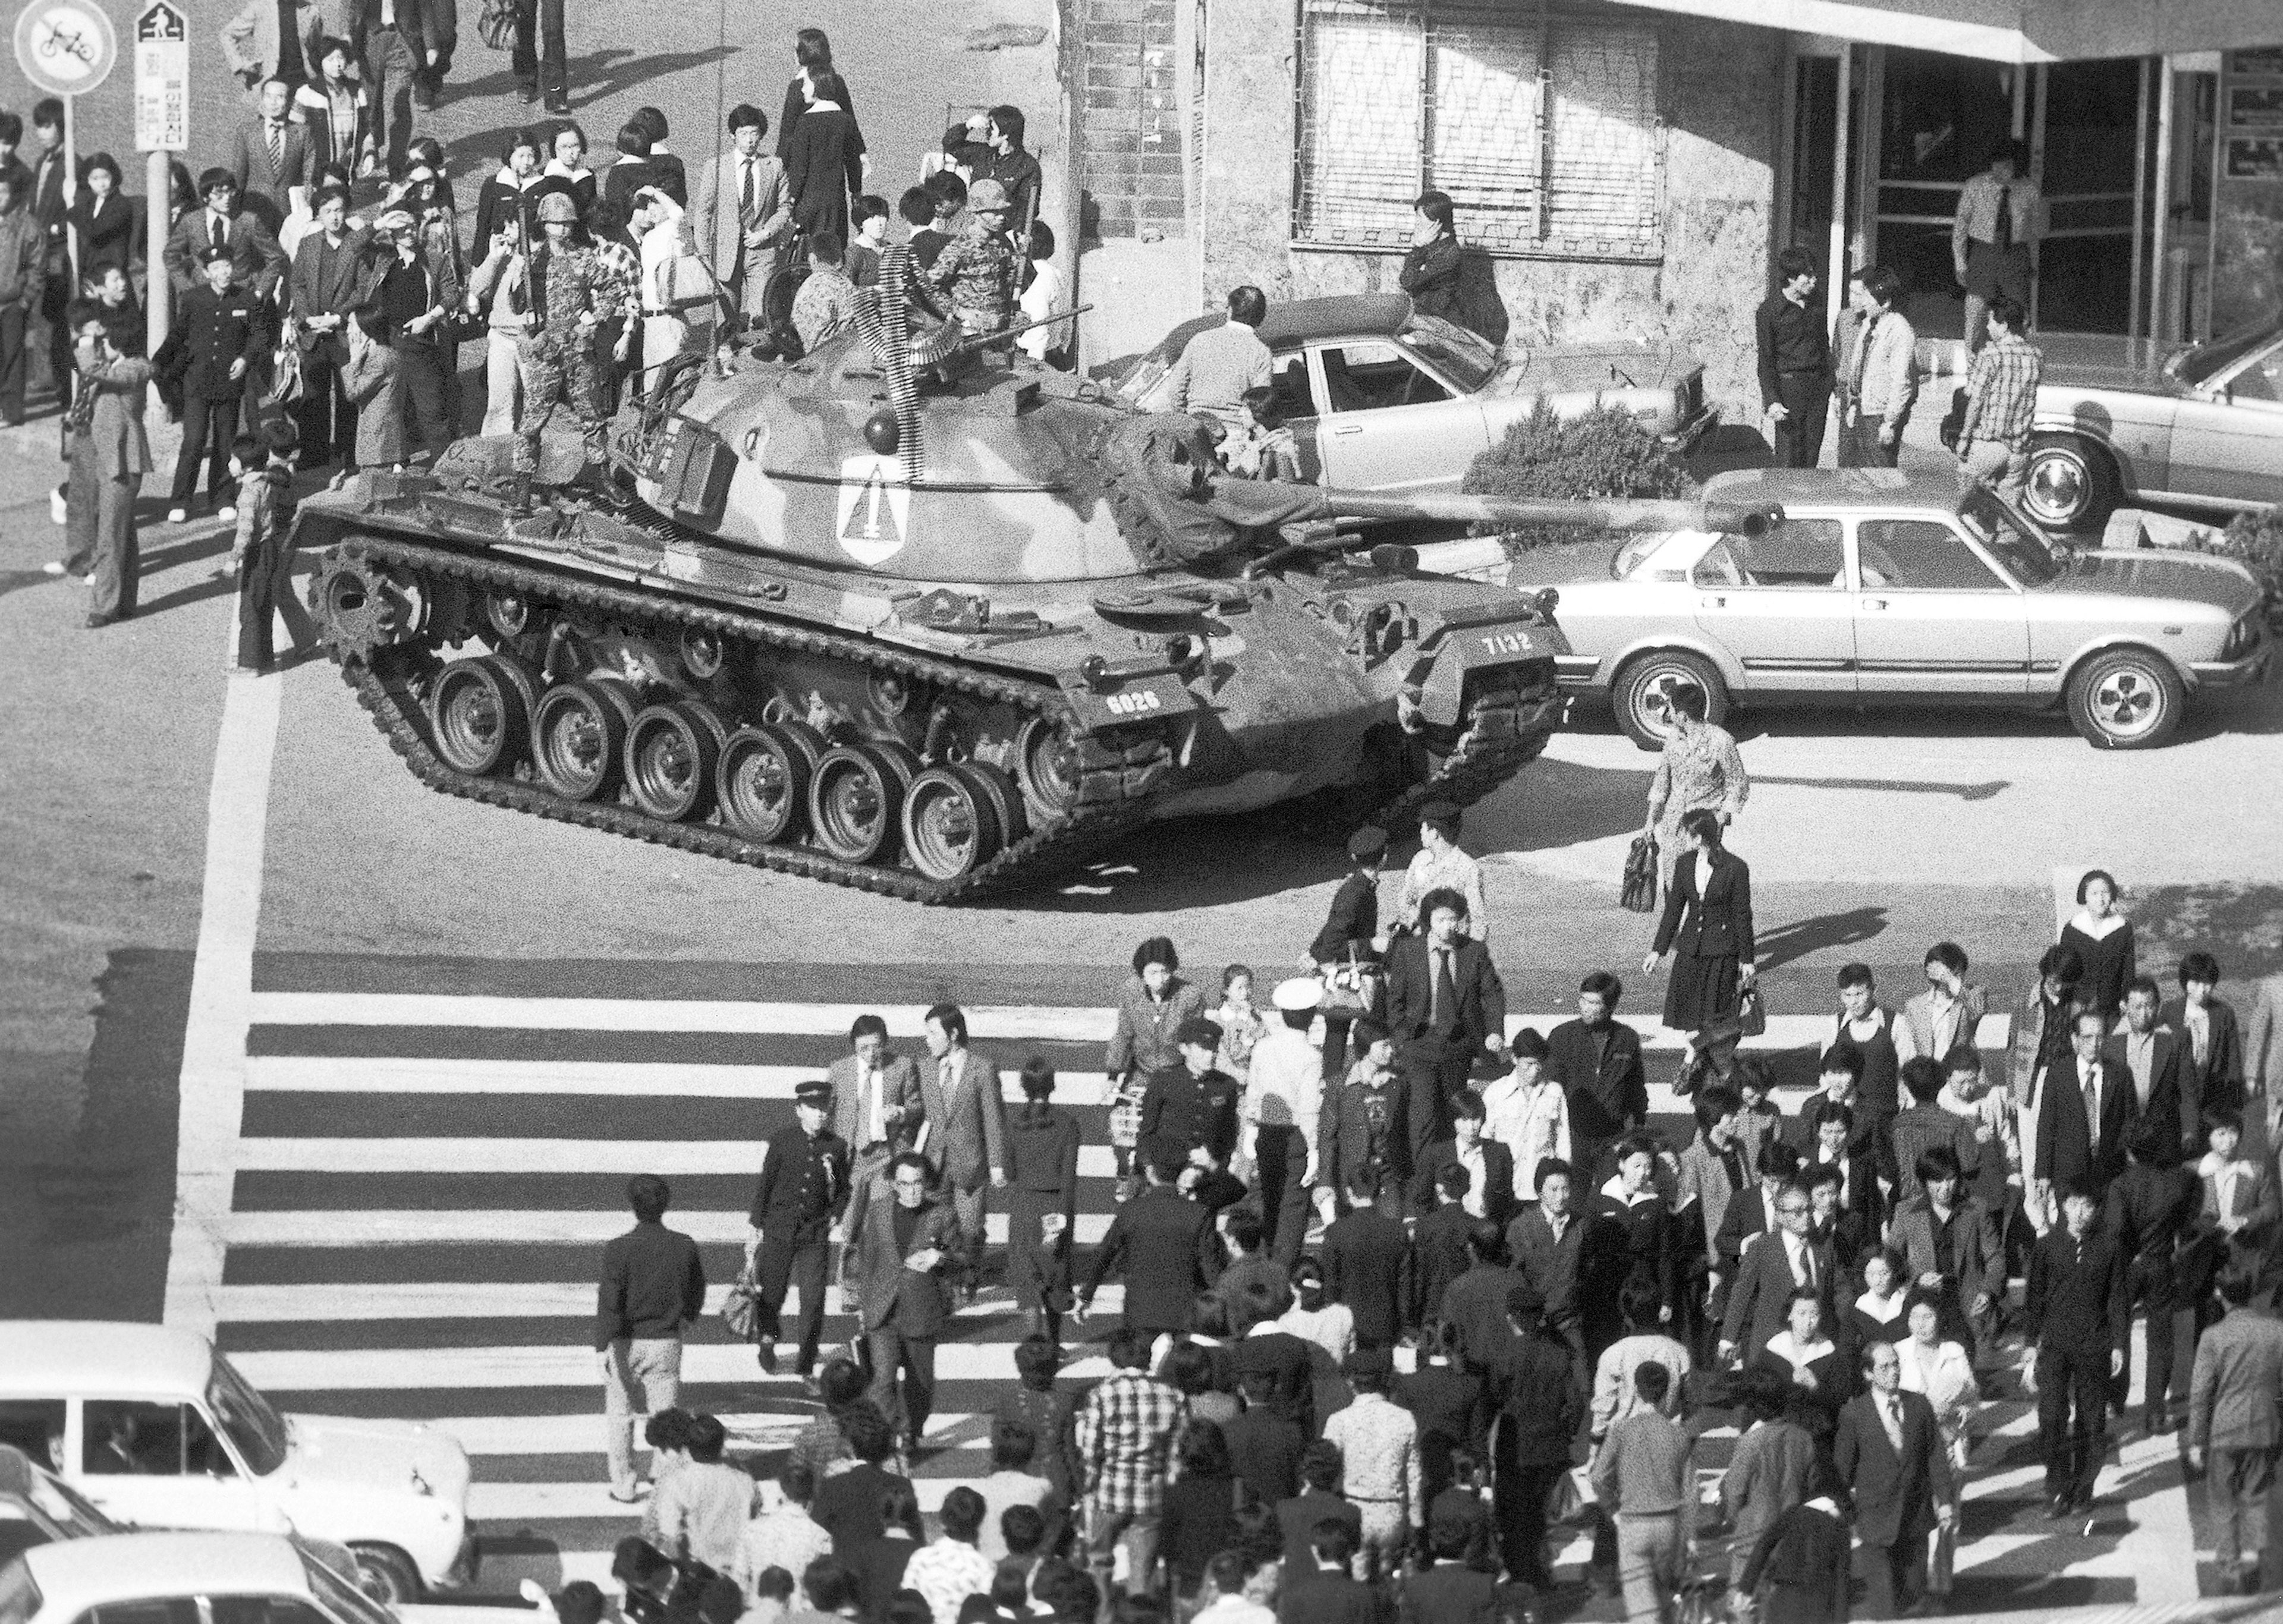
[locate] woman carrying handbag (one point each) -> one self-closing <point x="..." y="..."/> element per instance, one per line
<point x="1707" y="925"/>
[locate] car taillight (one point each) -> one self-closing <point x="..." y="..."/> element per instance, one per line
<point x="2243" y="637"/>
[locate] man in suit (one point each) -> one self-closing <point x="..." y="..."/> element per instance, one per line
<point x="270" y="158"/>
<point x="1287" y="1360"/>
<point x="1246" y="1238"/>
<point x="2150" y="1054"/>
<point x="2235" y="1419"/>
<point x="1781" y="1264"/>
<point x="1548" y="1244"/>
<point x="744" y="212"/>
<point x="1541" y="1399"/>
<point x="1474" y="1305"/>
<point x="878" y="1107"/>
<point x="1751" y="1213"/>
<point x="53" y="187"/>
<point x="220" y="333"/>
<point x="906" y="1248"/>
<point x="2079" y="1318"/>
<point x="328" y="284"/>
<point x="256" y="261"/>
<point x="1367" y="1266"/>
<point x="1324" y="1592"/>
<point x="2150" y="1204"/>
<point x="1892" y="1459"/>
<point x="1950" y="1246"/>
<point x="1450" y="1591"/>
<point x="1947" y="1014"/>
<point x="1164" y="1245"/>
<point x="799" y="1194"/>
<point x="1771" y="1469"/>
<point x="1438" y="1244"/>
<point x="109" y="457"/>
<point x="1446" y="1006"/>
<point x="1489" y="1164"/>
<point x="1265" y="1445"/>
<point x="1597" y="1060"/>
<point x="2083" y="1118"/>
<point x="967" y="1126"/>
<point x="2212" y="1071"/>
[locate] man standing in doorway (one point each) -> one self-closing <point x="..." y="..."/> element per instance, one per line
<point x="1993" y="241"/>
<point x="1795" y="354"/>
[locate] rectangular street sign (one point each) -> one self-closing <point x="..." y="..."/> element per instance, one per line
<point x="162" y="78"/>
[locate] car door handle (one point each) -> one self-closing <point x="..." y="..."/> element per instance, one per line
<point x="1709" y="602"/>
<point x="1349" y="428"/>
<point x="1874" y="603"/>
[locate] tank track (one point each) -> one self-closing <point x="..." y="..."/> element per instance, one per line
<point x="1118" y="769"/>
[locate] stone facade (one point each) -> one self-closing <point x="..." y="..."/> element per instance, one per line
<point x="1720" y="94"/>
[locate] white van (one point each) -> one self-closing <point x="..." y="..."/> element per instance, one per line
<point x="159" y="1429"/>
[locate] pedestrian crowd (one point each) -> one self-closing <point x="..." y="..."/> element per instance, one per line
<point x="325" y="279"/>
<point x="1400" y="1297"/>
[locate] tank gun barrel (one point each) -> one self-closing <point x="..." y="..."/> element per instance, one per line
<point x="1714" y="514"/>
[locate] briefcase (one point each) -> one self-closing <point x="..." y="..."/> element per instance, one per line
<point x="1638" y="894"/>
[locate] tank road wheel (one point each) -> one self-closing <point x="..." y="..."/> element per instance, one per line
<point x="480" y="714"/>
<point x="672" y="751"/>
<point x="1645" y="681"/>
<point x="1003" y="798"/>
<point x="763" y="780"/>
<point x="1053" y="769"/>
<point x="856" y="800"/>
<point x="578" y="734"/>
<point x="951" y="829"/>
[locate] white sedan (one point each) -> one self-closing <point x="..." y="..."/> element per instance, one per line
<point x="199" y="1579"/>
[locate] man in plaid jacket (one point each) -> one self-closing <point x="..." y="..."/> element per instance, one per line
<point x="1126" y="1435"/>
<point x="2001" y="398"/>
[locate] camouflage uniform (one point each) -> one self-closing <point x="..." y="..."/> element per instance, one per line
<point x="976" y="273"/>
<point x="557" y="360"/>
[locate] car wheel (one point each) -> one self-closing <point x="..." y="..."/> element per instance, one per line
<point x="2126" y="699"/>
<point x="1645" y="681"/>
<point x="2072" y="484"/>
<point x="386" y="1574"/>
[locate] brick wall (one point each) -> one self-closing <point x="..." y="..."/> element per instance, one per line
<point x="1130" y="123"/>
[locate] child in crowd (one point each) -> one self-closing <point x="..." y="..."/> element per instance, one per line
<point x="262" y="554"/>
<point x="869" y="220"/>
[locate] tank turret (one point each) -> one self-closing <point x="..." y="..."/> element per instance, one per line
<point x="924" y="622"/>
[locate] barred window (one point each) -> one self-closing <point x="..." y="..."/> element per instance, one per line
<point x="1541" y="125"/>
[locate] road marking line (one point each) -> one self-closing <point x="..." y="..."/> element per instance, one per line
<point x="338" y="1369"/>
<point x="212" y="1081"/>
<point x="336" y="1302"/>
<point x="487" y="1225"/>
<point x="666" y="1157"/>
<point x="988" y="1022"/>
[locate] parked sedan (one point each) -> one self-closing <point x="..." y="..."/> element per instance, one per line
<point x="1880" y="586"/>
<point x="1381" y="398"/>
<point x="200" y="1579"/>
<point x="2121" y="422"/>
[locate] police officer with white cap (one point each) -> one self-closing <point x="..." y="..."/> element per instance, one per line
<point x="1282" y="1098"/>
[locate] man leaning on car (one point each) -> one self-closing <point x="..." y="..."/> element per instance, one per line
<point x="2001" y="399"/>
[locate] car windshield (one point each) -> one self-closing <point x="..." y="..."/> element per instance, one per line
<point x="1467" y="359"/>
<point x="72" y="1517"/>
<point x="257" y="1430"/>
<point x="342" y="1598"/>
<point x="2031" y="562"/>
<point x="2208" y="359"/>
<point x="19" y="1597"/>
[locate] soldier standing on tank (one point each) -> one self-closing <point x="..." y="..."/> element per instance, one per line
<point x="975" y="273"/>
<point x="572" y="289"/>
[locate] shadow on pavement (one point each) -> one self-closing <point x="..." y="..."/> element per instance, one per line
<point x="1802" y="937"/>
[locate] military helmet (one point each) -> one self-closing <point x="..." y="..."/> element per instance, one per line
<point x="985" y="196"/>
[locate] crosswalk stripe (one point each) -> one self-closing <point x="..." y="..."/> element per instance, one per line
<point x="517" y="1503"/>
<point x="666" y="1157"/>
<point x="509" y="1226"/>
<point x="504" y="1300"/>
<point x="582" y="1435"/>
<point x="987" y="1023"/>
<point x="377" y="1369"/>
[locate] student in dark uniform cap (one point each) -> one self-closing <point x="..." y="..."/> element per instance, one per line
<point x="804" y="1179"/>
<point x="1350" y="937"/>
<point x="1192" y="1106"/>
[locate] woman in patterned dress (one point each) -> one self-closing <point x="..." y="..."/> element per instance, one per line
<point x="1151" y="1006"/>
<point x="1700" y="767"/>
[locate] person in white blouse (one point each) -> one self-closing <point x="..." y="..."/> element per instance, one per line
<point x="1440" y="865"/>
<point x="1527" y="1112"/>
<point x="1941" y="1372"/>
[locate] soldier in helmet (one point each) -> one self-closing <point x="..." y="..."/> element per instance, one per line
<point x="572" y="288"/>
<point x="976" y="273"/>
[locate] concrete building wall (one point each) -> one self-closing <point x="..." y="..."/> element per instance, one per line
<point x="1721" y="96"/>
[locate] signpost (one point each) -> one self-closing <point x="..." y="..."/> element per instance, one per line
<point x="66" y="47"/>
<point x="162" y="126"/>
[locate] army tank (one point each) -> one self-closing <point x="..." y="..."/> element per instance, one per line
<point x="921" y="622"/>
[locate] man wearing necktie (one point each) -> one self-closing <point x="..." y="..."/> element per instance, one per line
<point x="270" y="158"/>
<point x="2079" y="1319"/>
<point x="1892" y="1460"/>
<point x="2086" y="1113"/>
<point x="879" y="1109"/>
<point x="1445" y="1008"/>
<point x="967" y="1123"/>
<point x="747" y="212"/>
<point x="1993" y="239"/>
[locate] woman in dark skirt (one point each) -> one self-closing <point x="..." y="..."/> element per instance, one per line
<point x="1707" y="927"/>
<point x="1041" y="1202"/>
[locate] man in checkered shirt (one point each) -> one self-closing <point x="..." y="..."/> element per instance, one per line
<point x="1126" y="1436"/>
<point x="2001" y="397"/>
